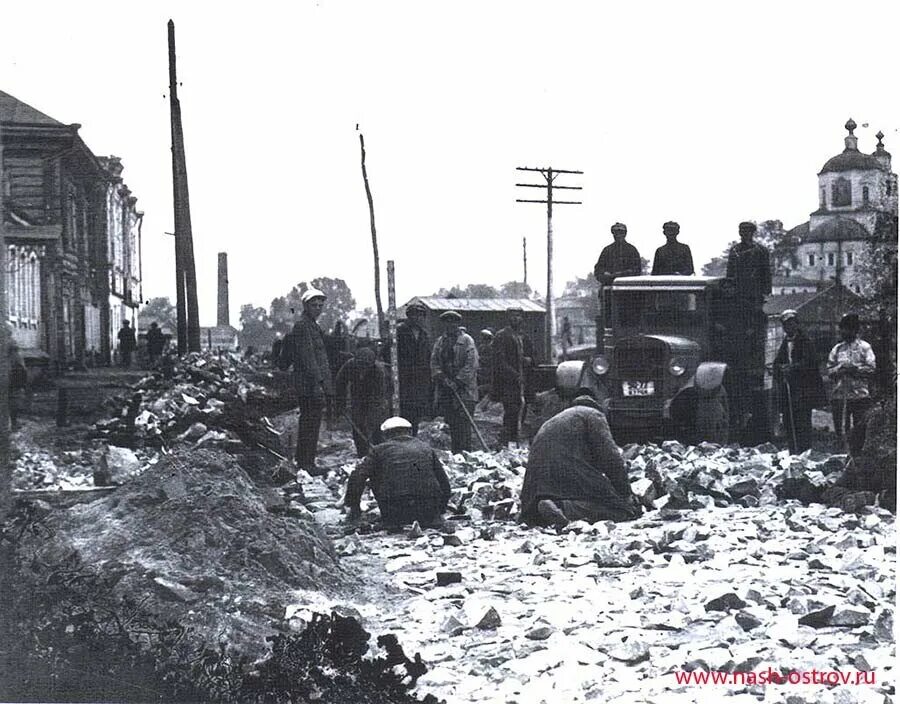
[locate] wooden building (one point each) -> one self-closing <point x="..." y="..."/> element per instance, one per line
<point x="57" y="213"/>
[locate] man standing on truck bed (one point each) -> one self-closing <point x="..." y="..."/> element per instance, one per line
<point x="674" y="257"/>
<point x="617" y="259"/>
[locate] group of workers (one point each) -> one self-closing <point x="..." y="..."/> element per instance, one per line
<point x="575" y="469"/>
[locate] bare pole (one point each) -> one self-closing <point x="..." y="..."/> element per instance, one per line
<point x="5" y="465"/>
<point x="180" y="301"/>
<point x="549" y="174"/>
<point x="378" y="307"/>
<point x="392" y="324"/>
<point x="184" y="238"/>
<point x="525" y="261"/>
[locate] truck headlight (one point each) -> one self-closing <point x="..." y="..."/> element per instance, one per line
<point x="677" y="366"/>
<point x="600" y="365"/>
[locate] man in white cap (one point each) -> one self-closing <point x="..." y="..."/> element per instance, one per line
<point x="406" y="476"/>
<point x="454" y="370"/>
<point x="304" y="350"/>
<point x="795" y="374"/>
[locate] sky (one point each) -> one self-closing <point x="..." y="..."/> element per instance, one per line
<point x="706" y="113"/>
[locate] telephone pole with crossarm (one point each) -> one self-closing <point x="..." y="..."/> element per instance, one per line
<point x="550" y="174"/>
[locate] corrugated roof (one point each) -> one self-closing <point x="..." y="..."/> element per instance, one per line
<point x="14" y="110"/>
<point x="478" y="304"/>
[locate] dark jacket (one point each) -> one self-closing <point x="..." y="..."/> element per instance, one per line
<point x="127" y="343"/>
<point x="398" y="469"/>
<point x="414" y="364"/>
<point x="155" y="341"/>
<point x="573" y="456"/>
<point x="303" y="349"/>
<point x="369" y="385"/>
<point x="807" y="387"/>
<point x="673" y="258"/>
<point x="749" y="271"/>
<point x="509" y="366"/>
<point x="618" y="259"/>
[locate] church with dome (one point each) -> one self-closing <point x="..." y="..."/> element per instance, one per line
<point x="857" y="204"/>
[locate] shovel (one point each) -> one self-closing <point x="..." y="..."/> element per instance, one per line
<point x="471" y="420"/>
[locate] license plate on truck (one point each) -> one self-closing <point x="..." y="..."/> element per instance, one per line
<point x="637" y="388"/>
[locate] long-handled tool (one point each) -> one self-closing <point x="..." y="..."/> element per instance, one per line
<point x="468" y="415"/>
<point x="845" y="430"/>
<point x="358" y="431"/>
<point x="790" y="409"/>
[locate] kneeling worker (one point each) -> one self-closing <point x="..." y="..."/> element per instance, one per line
<point x="407" y="478"/>
<point x="576" y="471"/>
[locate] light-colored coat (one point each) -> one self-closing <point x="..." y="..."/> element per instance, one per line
<point x="463" y="369"/>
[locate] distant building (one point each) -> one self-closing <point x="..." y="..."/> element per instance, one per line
<point x="581" y="312"/>
<point x="857" y="200"/>
<point x="59" y="205"/>
<point x="487" y="313"/>
<point x="787" y="285"/>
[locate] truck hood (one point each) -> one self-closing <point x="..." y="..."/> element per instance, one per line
<point x="678" y="345"/>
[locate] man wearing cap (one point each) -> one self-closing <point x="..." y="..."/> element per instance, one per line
<point x="851" y="363"/>
<point x="509" y="374"/>
<point x="369" y="383"/>
<point x="674" y="257"/>
<point x="414" y="365"/>
<point x="304" y="350"/>
<point x="406" y="476"/>
<point x="795" y="373"/>
<point x="454" y="370"/>
<point x="576" y="471"/>
<point x="617" y="259"/>
<point x="748" y="268"/>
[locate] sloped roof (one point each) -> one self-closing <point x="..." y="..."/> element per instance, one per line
<point x="801" y="231"/>
<point x="478" y="304"/>
<point x="792" y="281"/>
<point x="797" y="301"/>
<point x="838" y="229"/>
<point x="14" y="110"/>
<point x="851" y="160"/>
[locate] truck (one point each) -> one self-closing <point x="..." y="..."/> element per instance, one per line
<point x="676" y="357"/>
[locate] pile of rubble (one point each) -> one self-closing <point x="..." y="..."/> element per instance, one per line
<point x="610" y="612"/>
<point x="202" y="399"/>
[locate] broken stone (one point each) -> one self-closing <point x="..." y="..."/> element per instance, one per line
<point x="415" y="531"/>
<point x="445" y="578"/>
<point x="850" y="618"/>
<point x="453" y="626"/>
<point x="747" y="621"/>
<point x="539" y="633"/>
<point x="726" y="602"/>
<point x="173" y="591"/>
<point x="453" y="540"/>
<point x="817" y="619"/>
<point x="117" y="465"/>
<point x="631" y="652"/>
<point x="489" y="621"/>
<point x="884" y="626"/>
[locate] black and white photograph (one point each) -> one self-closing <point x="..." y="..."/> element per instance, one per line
<point x="401" y="352"/>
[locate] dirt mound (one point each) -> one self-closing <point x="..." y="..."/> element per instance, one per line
<point x="194" y="537"/>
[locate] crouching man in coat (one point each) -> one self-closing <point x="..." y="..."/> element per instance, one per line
<point x="406" y="476"/>
<point x="576" y="471"/>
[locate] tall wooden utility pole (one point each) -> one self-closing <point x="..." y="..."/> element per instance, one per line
<point x="549" y="175"/>
<point x="185" y="271"/>
<point x="381" y="327"/>
<point x="5" y="464"/>
<point x="392" y="323"/>
<point x="524" y="261"/>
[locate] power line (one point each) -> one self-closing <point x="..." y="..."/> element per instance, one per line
<point x="550" y="175"/>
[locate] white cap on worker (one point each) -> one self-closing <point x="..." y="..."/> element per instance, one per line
<point x="788" y="315"/>
<point x="311" y="293"/>
<point x="395" y="423"/>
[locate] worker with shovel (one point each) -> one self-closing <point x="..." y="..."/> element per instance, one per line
<point x="454" y="370"/>
<point x="851" y="363"/>
<point x="796" y="374"/>
<point x="369" y="384"/>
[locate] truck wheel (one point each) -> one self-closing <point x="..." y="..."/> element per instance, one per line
<point x="712" y="418"/>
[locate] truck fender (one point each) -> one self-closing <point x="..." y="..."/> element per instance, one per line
<point x="709" y="377"/>
<point x="568" y="378"/>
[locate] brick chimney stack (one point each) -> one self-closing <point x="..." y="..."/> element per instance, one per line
<point x="222" y="312"/>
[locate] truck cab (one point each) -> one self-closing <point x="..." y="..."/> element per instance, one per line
<point x="661" y="367"/>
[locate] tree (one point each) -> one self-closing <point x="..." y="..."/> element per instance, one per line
<point x="781" y="243"/>
<point x="516" y="289"/>
<point x="470" y="291"/>
<point x="717" y="265"/>
<point x="160" y="311"/>
<point x="582" y="287"/>
<point x="285" y="309"/>
<point x="256" y="327"/>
